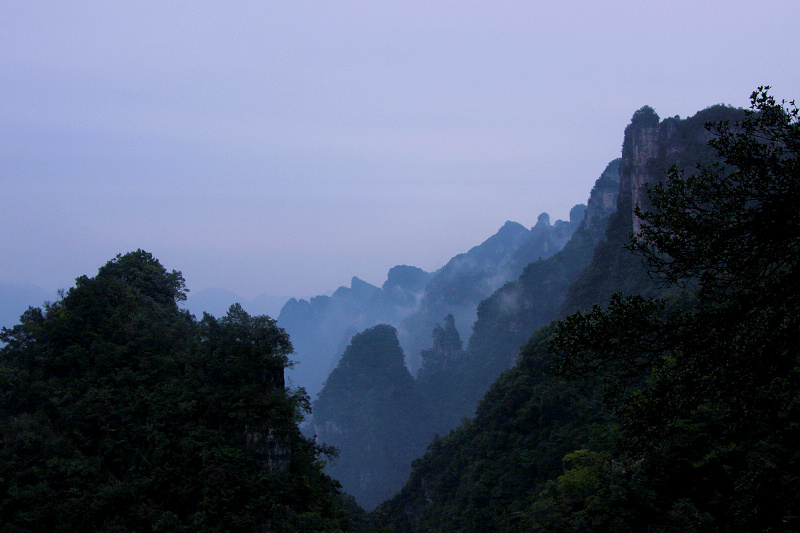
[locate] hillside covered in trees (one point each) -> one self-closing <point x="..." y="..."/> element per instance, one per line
<point x="381" y="418"/>
<point x="120" y="412"/>
<point x="669" y="402"/>
<point x="643" y="377"/>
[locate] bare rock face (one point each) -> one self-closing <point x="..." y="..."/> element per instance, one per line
<point x="273" y="451"/>
<point x="603" y="197"/>
<point x="652" y="146"/>
<point x="641" y="145"/>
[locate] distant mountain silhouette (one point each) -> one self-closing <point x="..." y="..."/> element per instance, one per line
<point x="371" y="409"/>
<point x="414" y="301"/>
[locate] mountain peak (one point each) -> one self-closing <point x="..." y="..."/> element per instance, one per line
<point x="406" y="277"/>
<point x="512" y="226"/>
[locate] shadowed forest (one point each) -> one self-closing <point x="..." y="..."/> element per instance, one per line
<point x="632" y="369"/>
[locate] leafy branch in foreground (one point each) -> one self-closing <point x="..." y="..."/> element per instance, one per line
<point x="711" y="377"/>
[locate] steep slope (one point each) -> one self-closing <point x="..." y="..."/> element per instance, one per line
<point x="481" y="475"/>
<point x="508" y="317"/>
<point x="438" y="376"/>
<point x="500" y="471"/>
<point x="413" y="300"/>
<point x="459" y="286"/>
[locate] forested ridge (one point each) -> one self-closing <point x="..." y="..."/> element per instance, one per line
<point x="664" y="398"/>
<point x="121" y="412"/>
<point x="382" y="419"/>
<point x="672" y="410"/>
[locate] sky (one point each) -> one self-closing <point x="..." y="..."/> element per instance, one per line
<point x="283" y="147"/>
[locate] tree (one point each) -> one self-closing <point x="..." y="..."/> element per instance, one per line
<point x="707" y="379"/>
<point x="119" y="411"/>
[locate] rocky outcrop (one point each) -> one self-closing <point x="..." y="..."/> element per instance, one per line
<point x="651" y="146"/>
<point x="603" y="198"/>
<point x="272" y="452"/>
<point x="640" y="146"/>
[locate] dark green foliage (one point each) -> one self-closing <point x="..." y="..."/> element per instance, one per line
<point x="507" y="319"/>
<point x="482" y="476"/>
<point x="680" y="413"/>
<point x="119" y="412"/>
<point x="371" y="410"/>
<point x="713" y="420"/>
<point x="609" y="270"/>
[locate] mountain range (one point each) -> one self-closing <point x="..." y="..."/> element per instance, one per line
<point x="414" y="301"/>
<point x="535" y="454"/>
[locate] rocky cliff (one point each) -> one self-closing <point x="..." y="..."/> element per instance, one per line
<point x="529" y="420"/>
<point x="639" y="148"/>
<point x="650" y="147"/>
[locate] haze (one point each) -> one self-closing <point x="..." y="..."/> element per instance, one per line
<point x="283" y="148"/>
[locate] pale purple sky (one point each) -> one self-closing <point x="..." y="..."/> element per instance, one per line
<point x="283" y="147"/>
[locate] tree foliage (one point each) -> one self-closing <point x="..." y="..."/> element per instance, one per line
<point x="680" y="412"/>
<point x="121" y="412"/>
<point x="483" y="475"/>
<point x="708" y="381"/>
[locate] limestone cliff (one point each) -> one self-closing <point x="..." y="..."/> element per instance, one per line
<point x="650" y="147"/>
<point x="603" y="198"/>
<point x="639" y="147"/>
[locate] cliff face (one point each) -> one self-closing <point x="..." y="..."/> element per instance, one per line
<point x="650" y="147"/>
<point x="603" y="198"/>
<point x="641" y="145"/>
